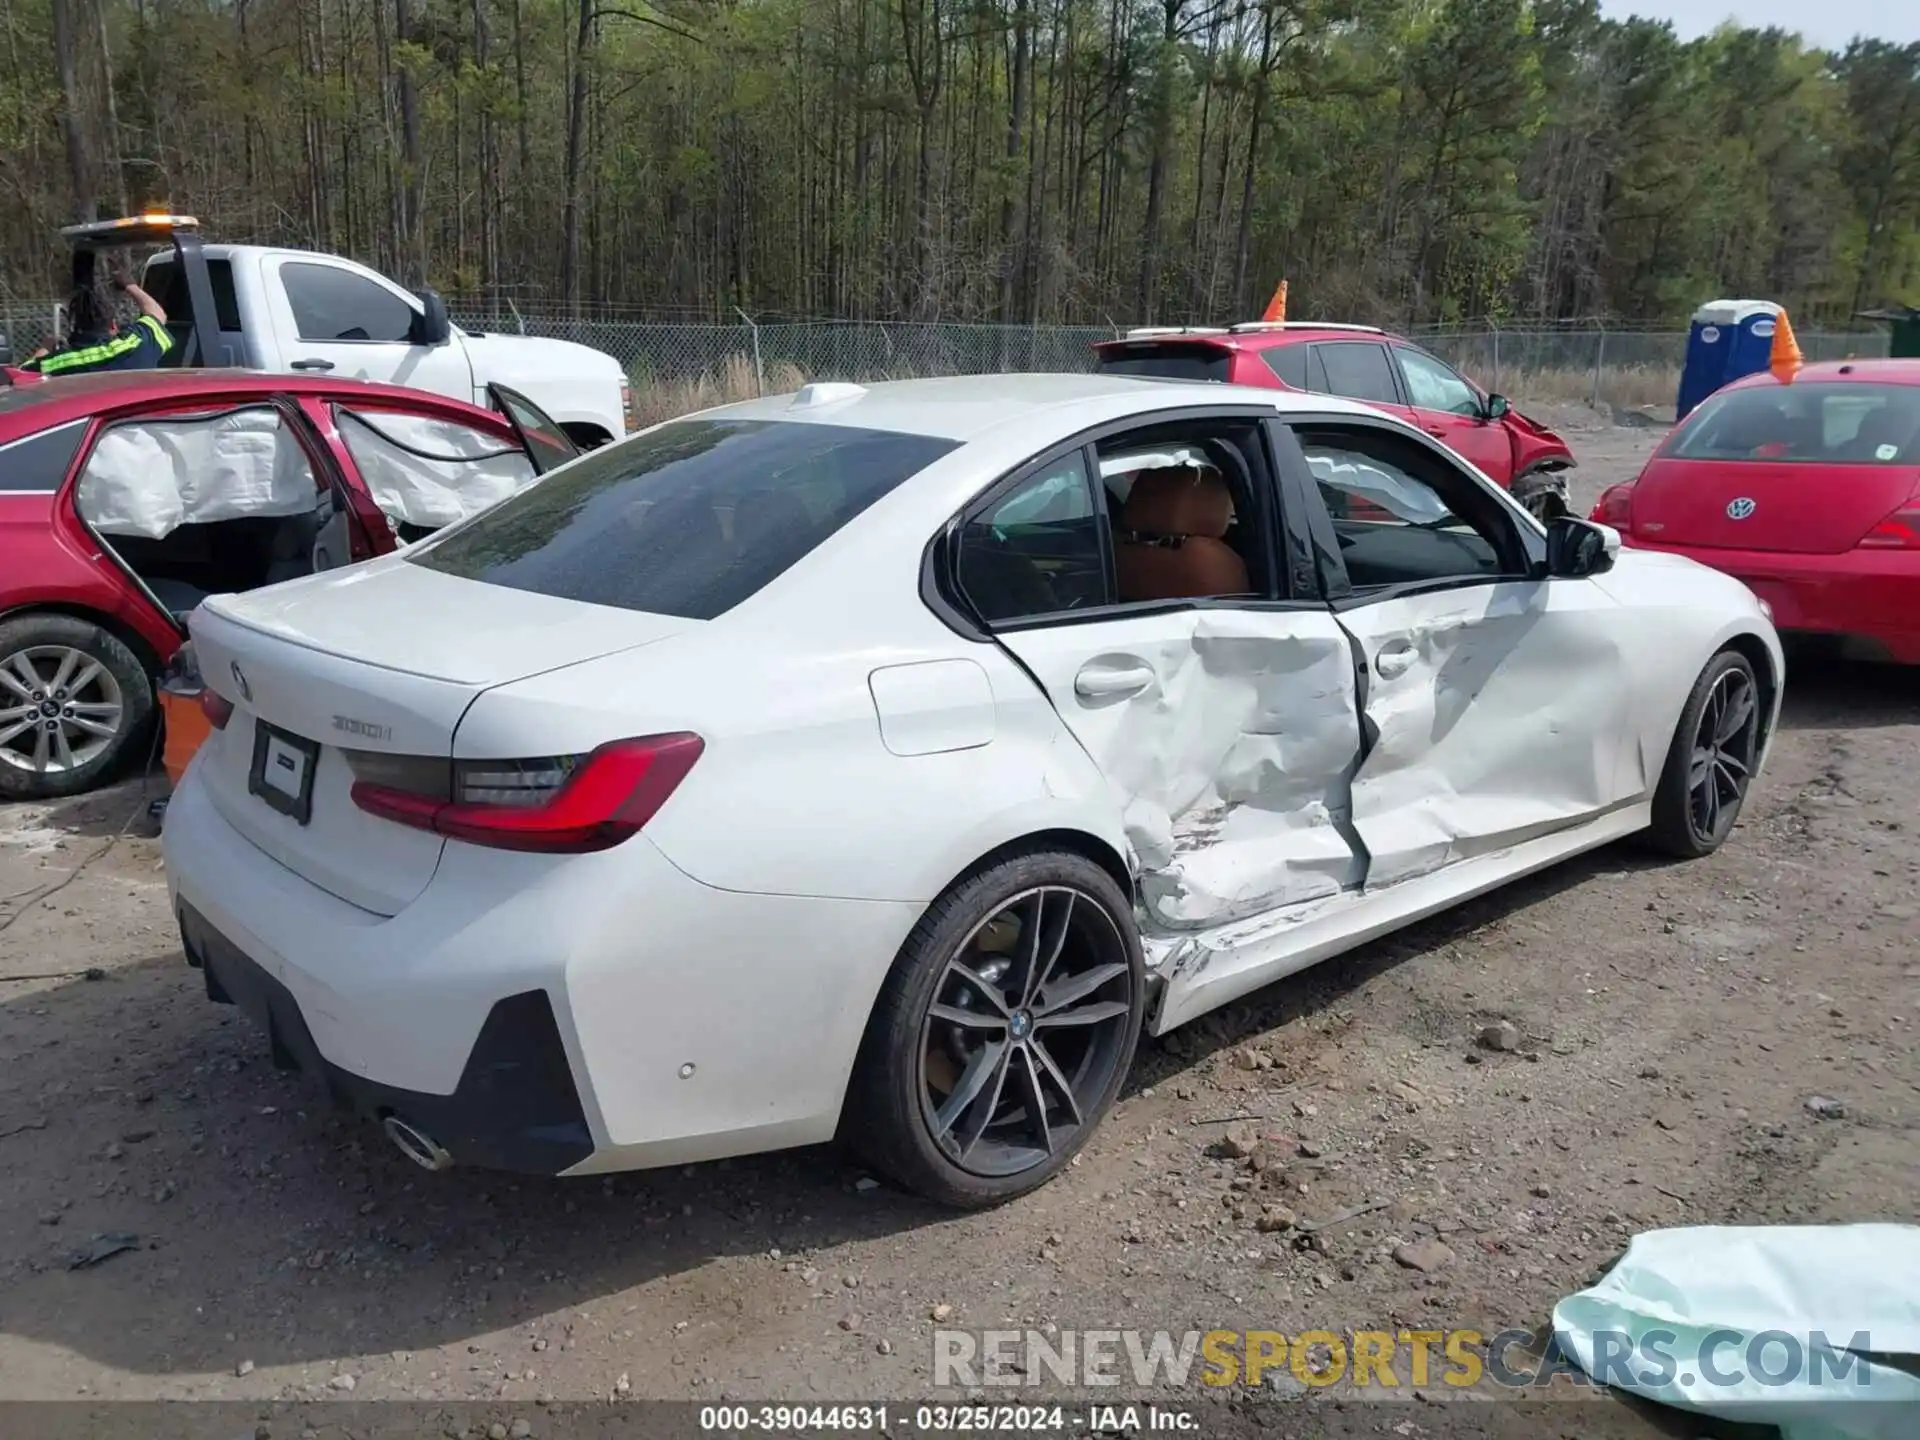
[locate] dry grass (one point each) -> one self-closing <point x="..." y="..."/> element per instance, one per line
<point x="1623" y="386"/>
<point x="1632" y="387"/>
<point x="657" y="400"/>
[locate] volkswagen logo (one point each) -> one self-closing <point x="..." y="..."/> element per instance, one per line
<point x="1740" y="509"/>
<point x="240" y="682"/>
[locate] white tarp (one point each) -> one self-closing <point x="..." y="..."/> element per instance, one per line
<point x="150" y="477"/>
<point x="431" y="473"/>
<point x="1812" y="1328"/>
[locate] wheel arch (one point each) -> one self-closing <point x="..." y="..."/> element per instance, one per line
<point x="1756" y="653"/>
<point x="587" y="434"/>
<point x="150" y="661"/>
<point x="1076" y="842"/>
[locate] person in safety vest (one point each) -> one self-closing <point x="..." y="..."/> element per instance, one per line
<point x="95" y="340"/>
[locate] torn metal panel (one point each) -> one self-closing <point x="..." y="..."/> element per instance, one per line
<point x="1493" y="715"/>
<point x="1231" y="737"/>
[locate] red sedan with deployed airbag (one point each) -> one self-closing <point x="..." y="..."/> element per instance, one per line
<point x="1805" y="484"/>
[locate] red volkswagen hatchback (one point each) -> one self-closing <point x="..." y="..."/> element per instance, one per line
<point x="126" y="499"/>
<point x="1359" y="362"/>
<point x="1806" y="487"/>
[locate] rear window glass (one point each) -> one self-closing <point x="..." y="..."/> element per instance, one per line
<point x="1167" y="362"/>
<point x="40" y="462"/>
<point x="1289" y="364"/>
<point x="689" y="519"/>
<point x="1837" y="424"/>
<point x="167" y="283"/>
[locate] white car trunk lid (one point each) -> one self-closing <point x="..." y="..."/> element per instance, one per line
<point x="386" y="658"/>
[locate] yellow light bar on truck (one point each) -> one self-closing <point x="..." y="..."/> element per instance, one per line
<point x="150" y="228"/>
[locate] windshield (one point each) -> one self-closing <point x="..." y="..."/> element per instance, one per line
<point x="1837" y="424"/>
<point x="688" y="519"/>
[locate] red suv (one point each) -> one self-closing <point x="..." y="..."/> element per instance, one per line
<point x="1359" y="362"/>
<point x="127" y="498"/>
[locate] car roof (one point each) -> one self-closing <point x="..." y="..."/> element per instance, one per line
<point x="966" y="407"/>
<point x="1293" y="332"/>
<point x="1856" y="372"/>
<point x="38" y="405"/>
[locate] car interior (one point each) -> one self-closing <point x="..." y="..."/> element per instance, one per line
<point x="1179" y="508"/>
<point x="1392" y="504"/>
<point x="210" y="504"/>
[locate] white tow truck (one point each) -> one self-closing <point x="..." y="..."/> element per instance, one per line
<point x="277" y="309"/>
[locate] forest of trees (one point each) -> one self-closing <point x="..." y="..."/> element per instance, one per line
<point x="1405" y="161"/>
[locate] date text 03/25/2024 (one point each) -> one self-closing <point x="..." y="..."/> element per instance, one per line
<point x="899" y="1420"/>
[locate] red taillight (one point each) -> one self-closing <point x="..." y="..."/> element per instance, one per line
<point x="558" y="806"/>
<point x="1615" y="507"/>
<point x="1899" y="531"/>
<point x="216" y="707"/>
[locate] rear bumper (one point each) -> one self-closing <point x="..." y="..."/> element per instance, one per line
<point x="1869" y="600"/>
<point x="514" y="1108"/>
<point x="554" y="1014"/>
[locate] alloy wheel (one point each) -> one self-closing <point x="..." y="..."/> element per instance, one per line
<point x="1028" y="1021"/>
<point x="60" y="709"/>
<point x="1724" y="746"/>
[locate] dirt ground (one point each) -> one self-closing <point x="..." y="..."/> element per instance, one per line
<point x="1673" y="1020"/>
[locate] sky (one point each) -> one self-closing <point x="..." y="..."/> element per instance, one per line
<point x="1828" y="23"/>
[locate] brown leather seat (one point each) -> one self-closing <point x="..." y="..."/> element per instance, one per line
<point x="1170" y="546"/>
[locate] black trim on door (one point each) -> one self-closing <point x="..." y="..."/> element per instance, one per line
<point x="942" y="595"/>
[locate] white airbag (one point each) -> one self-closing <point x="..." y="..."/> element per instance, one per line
<point x="430" y="473"/>
<point x="153" y="476"/>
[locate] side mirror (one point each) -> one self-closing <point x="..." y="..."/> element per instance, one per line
<point x="1497" y="406"/>
<point x="1579" y="548"/>
<point x="432" y="326"/>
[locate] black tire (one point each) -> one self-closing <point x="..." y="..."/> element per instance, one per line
<point x="34" y="642"/>
<point x="1714" y="749"/>
<point x="889" y="1117"/>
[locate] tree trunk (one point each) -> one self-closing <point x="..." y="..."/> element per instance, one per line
<point x="576" y="128"/>
<point x="1016" y="124"/>
<point x="73" y="114"/>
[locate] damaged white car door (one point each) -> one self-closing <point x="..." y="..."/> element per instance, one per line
<point x="1222" y="710"/>
<point x="1496" y="700"/>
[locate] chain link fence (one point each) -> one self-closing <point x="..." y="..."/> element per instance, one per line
<point x="678" y="366"/>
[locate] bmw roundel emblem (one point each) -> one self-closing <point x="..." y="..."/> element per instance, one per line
<point x="240" y="683"/>
<point x="1741" y="508"/>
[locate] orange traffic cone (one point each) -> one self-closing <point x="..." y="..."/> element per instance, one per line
<point x="1276" y="311"/>
<point x="1785" y="357"/>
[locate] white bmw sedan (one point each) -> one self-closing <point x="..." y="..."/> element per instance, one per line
<point x="881" y="762"/>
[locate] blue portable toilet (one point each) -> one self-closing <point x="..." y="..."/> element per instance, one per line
<point x="1729" y="338"/>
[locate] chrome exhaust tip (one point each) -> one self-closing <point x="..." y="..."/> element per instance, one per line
<point x="421" y="1149"/>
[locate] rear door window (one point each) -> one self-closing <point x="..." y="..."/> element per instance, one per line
<point x="1838" y="424"/>
<point x="1359" y="370"/>
<point x="1289" y="364"/>
<point x="40" y="462"/>
<point x="167" y="283"/>
<point x="1168" y="362"/>
<point x="689" y="519"/>
<point x="1037" y="550"/>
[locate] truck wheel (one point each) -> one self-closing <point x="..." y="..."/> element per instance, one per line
<point x="74" y="704"/>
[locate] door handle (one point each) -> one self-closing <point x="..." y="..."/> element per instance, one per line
<point x="1394" y="660"/>
<point x="1439" y="430"/>
<point x="313" y="365"/>
<point x="1098" y="682"/>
